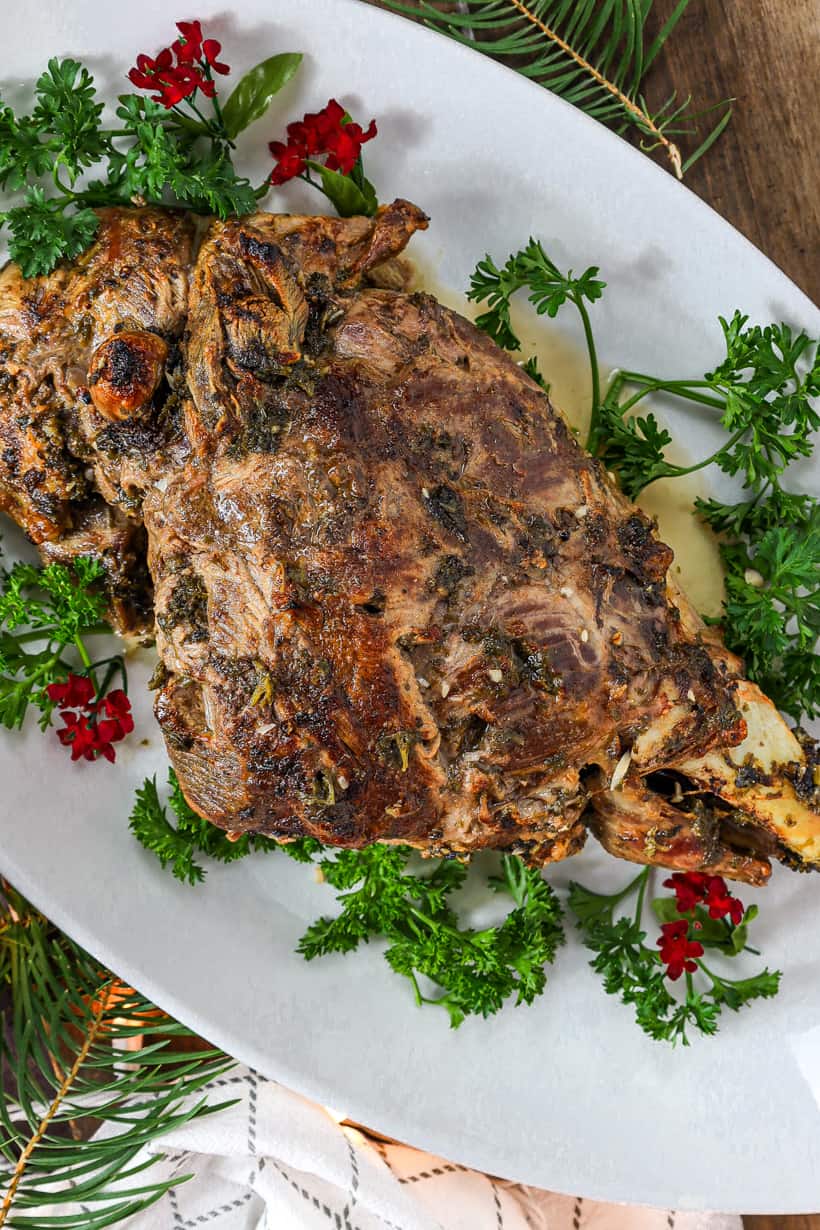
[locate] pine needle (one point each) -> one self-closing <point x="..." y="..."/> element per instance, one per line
<point x="64" y="1005"/>
<point x="592" y="53"/>
<point x="91" y="1033"/>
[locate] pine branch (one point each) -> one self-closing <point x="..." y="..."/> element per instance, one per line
<point x="593" y="55"/>
<point x="58" y="1049"/>
<point x="641" y="116"/>
<point x="89" y="1039"/>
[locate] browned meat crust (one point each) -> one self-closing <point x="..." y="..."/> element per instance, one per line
<point x="63" y="458"/>
<point x="396" y="601"/>
<point x="639" y="824"/>
<point x="394" y="598"/>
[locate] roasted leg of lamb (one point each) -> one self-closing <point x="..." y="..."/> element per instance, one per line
<point x="394" y="599"/>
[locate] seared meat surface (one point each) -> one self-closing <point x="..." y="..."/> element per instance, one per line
<point x="86" y="416"/>
<point x="395" y="600"/>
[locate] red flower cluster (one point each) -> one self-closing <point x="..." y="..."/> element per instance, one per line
<point x="695" y="887"/>
<point x="101" y="723"/>
<point x="195" y="58"/>
<point x="677" y="950"/>
<point x="322" y="132"/>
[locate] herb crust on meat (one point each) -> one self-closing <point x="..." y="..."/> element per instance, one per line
<point x="395" y="600"/>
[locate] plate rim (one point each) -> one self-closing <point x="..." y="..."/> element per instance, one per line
<point x="301" y="1080"/>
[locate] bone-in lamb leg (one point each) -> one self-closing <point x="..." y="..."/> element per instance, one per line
<point x="396" y="600"/>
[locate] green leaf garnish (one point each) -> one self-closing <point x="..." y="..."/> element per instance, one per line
<point x="42" y="235"/>
<point x="473" y="971"/>
<point x="254" y="92"/>
<point x="176" y="845"/>
<point x="346" y="196"/>
<point x="634" y="971"/>
<point x="44" y="614"/>
<point x="158" y="155"/>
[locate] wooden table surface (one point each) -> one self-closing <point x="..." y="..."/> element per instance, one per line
<point x="762" y="175"/>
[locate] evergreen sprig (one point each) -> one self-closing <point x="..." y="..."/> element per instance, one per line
<point x="59" y="1056"/>
<point x="166" y="155"/>
<point x="595" y="56"/>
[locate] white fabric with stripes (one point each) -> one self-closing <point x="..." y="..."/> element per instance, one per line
<point x="276" y="1161"/>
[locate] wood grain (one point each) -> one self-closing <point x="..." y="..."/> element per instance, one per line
<point x="782" y="1223"/>
<point x="763" y="174"/>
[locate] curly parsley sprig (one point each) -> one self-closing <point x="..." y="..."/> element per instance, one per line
<point x="640" y="975"/>
<point x="473" y="970"/>
<point x="165" y="149"/>
<point x="763" y="394"/>
<point x="46" y="614"/>
<point x="549" y="289"/>
<point x="177" y="844"/>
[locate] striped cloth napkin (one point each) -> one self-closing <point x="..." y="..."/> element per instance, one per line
<point x="275" y="1161"/>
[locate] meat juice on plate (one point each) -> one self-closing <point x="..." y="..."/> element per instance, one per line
<point x="565" y="366"/>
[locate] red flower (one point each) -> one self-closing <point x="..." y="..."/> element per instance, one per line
<point x="677" y="950"/>
<point x="119" y="721"/>
<point x="75" y="693"/>
<point x="693" y="887"/>
<point x="690" y="889"/>
<point x="79" y="735"/>
<point x="195" y="58"/>
<point x="116" y="704"/>
<point x="210" y="50"/>
<point x="719" y="901"/>
<point x="320" y="132"/>
<point x="317" y="127"/>
<point x="191" y="47"/>
<point x="144" y="75"/>
<point x="89" y="734"/>
<point x="345" y="145"/>
<point x="181" y="82"/>
<point x="290" y="162"/>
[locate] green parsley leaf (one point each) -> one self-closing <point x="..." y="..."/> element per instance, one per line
<point x="22" y="153"/>
<point x="158" y="156"/>
<point x="635" y="973"/>
<point x="163" y="160"/>
<point x="635" y="447"/>
<point x="531" y="268"/>
<point x="68" y="110"/>
<point x="549" y="289"/>
<point x="43" y="613"/>
<point x="473" y="971"/>
<point x="764" y="392"/>
<point x="772" y="607"/>
<point x="150" y="825"/>
<point x="208" y="184"/>
<point x="736" y="994"/>
<point x="177" y="844"/>
<point x="42" y="234"/>
<point x="534" y="372"/>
